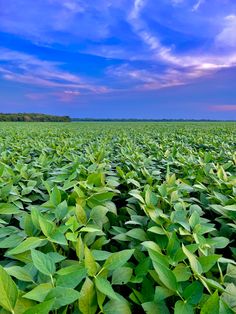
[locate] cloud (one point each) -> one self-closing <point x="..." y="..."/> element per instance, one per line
<point x="28" y="69"/>
<point x="60" y="95"/>
<point x="165" y="54"/>
<point x="147" y="49"/>
<point x="54" y="21"/>
<point x="197" y="5"/>
<point x="222" y="108"/>
<point x="66" y="96"/>
<point x="154" y="78"/>
<point x="177" y="68"/>
<point x="227" y="36"/>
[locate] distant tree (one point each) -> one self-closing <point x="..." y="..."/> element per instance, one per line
<point x="33" y="117"/>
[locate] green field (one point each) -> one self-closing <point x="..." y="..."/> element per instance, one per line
<point x="118" y="218"/>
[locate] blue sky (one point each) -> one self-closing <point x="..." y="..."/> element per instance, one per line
<point x="119" y="58"/>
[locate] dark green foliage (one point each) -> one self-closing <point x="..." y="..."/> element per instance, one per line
<point x="117" y="218"/>
<point x="33" y="117"/>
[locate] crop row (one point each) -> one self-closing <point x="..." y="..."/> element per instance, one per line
<point x="117" y="218"/>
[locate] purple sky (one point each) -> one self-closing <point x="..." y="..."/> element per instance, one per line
<point x="119" y="58"/>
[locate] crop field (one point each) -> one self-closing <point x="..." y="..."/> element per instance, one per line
<point x="118" y="218"/>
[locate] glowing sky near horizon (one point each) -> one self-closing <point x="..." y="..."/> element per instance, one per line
<point x="119" y="58"/>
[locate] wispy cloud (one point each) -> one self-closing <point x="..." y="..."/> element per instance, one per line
<point x="227" y="36"/>
<point x="148" y="43"/>
<point x="28" y="69"/>
<point x="197" y="5"/>
<point x="151" y="78"/>
<point x="196" y="65"/>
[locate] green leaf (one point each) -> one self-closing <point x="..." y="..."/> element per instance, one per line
<point x="121" y="275"/>
<point x="99" y="198"/>
<point x="182" y="307"/>
<point x="166" y="276"/>
<point x="56" y="257"/>
<point x="137" y="233"/>
<point x="117" y="307"/>
<point x="87" y="300"/>
<point x="96" y="179"/>
<point x="43" y="262"/>
<point x="104" y="286"/>
<point x="55" y="197"/>
<point x="143" y="267"/>
<point x="212" y="283"/>
<point x="229" y="296"/>
<point x="80" y="214"/>
<point x="92" y="229"/>
<point x="19" y="273"/>
<point x="150" y="198"/>
<point x="46" y="226"/>
<point x="9" y="209"/>
<point x="161" y="293"/>
<point x="8" y="291"/>
<point x="22" y="305"/>
<point x="136" y="194"/>
<point x="211" y="305"/>
<point x="207" y="262"/>
<point x="182" y="272"/>
<point x="155" y="308"/>
<point x="194" y="263"/>
<point x="57" y="237"/>
<point x="196" y="208"/>
<point x="11" y="241"/>
<point x="218" y="242"/>
<point x="118" y="259"/>
<point x="42" y="308"/>
<point x="71" y="276"/>
<point x="100" y="255"/>
<point x="62" y="296"/>
<point x="98" y="214"/>
<point x="157" y="230"/>
<point x="225" y="309"/>
<point x="151" y="245"/>
<point x="158" y="257"/>
<point x="193" y="293"/>
<point x="29" y="243"/>
<point x="89" y="262"/>
<point x="39" y="293"/>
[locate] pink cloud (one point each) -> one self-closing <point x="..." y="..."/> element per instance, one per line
<point x="223" y="108"/>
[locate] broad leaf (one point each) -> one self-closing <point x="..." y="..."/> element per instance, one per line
<point x="8" y="291"/>
<point x="43" y="262"/>
<point x="183" y="308"/>
<point x="29" y="243"/>
<point x="104" y="286"/>
<point x="62" y="296"/>
<point x="87" y="300"/>
<point x="116" y="260"/>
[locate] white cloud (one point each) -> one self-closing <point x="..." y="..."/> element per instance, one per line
<point x="166" y="55"/>
<point x="227" y="37"/>
<point x="197" y="5"/>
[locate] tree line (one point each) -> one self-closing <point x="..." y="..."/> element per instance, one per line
<point x="33" y="117"/>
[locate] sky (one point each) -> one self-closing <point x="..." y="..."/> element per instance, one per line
<point x="119" y="58"/>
